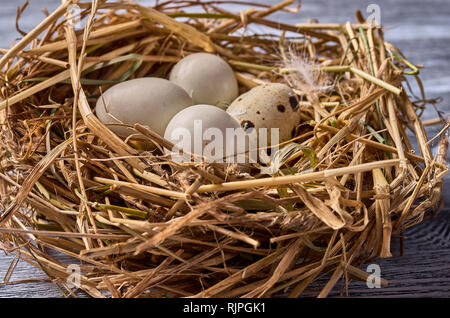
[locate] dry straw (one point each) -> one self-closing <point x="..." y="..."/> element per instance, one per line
<point x="140" y="225"/>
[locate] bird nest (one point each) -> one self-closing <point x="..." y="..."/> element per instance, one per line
<point x="138" y="224"/>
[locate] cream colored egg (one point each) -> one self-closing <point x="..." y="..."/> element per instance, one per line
<point x="148" y="101"/>
<point x="273" y="105"/>
<point x="206" y="131"/>
<point x="207" y="78"/>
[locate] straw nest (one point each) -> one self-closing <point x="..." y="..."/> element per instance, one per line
<point x="139" y="225"/>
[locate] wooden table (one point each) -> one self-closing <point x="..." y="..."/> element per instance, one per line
<point x="422" y="30"/>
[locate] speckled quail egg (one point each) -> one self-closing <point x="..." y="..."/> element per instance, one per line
<point x="207" y="78"/>
<point x="148" y="101"/>
<point x="273" y="105"/>
<point x="205" y="130"/>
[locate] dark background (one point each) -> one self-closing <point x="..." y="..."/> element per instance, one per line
<point x="421" y="29"/>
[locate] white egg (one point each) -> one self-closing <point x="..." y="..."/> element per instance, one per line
<point x="148" y="101"/>
<point x="208" y="131"/>
<point x="273" y="105"/>
<point x="207" y="78"/>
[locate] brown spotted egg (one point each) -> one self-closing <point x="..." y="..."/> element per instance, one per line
<point x="273" y="105"/>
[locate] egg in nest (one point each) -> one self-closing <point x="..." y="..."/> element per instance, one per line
<point x="273" y="105"/>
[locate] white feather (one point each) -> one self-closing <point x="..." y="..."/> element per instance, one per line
<point x="305" y="76"/>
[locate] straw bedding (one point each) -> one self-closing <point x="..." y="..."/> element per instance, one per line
<point x="140" y="225"/>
